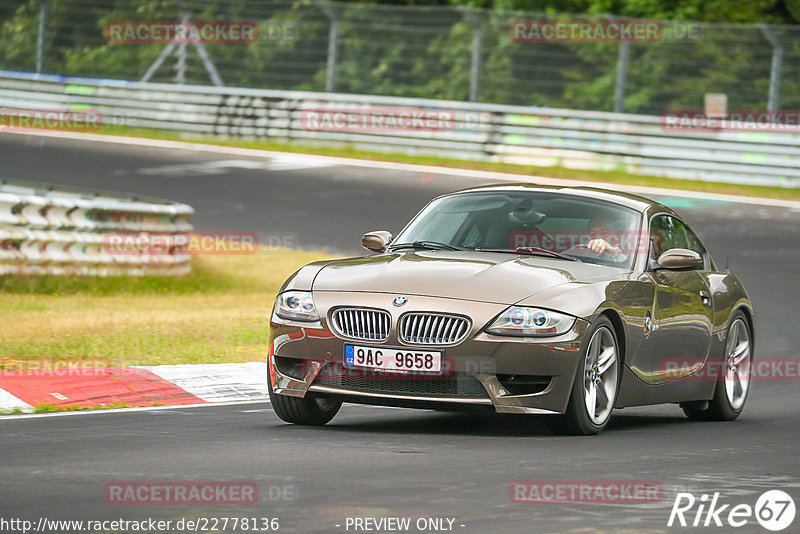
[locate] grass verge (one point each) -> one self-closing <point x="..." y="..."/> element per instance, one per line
<point x="47" y="408"/>
<point x="605" y="177"/>
<point x="218" y="313"/>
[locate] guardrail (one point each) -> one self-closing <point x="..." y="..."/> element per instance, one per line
<point x="46" y="229"/>
<point x="638" y="144"/>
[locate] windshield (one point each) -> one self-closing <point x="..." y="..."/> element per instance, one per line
<point x="528" y="222"/>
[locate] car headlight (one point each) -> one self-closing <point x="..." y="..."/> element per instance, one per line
<point x="520" y="321"/>
<point x="296" y="306"/>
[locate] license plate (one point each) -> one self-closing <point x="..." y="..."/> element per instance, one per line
<point x="393" y="359"/>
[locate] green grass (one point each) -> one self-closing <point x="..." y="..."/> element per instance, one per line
<point x="218" y="313"/>
<point x="48" y="408"/>
<point x="202" y="279"/>
<point x="605" y="177"/>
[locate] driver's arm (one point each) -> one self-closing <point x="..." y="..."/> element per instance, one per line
<point x="601" y="246"/>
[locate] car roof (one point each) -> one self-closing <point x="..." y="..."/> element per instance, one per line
<point x="636" y="202"/>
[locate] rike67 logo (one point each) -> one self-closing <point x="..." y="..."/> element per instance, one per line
<point x="774" y="510"/>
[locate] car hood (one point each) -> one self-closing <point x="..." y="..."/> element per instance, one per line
<point x="481" y="276"/>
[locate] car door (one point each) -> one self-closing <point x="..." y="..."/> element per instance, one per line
<point x="682" y="309"/>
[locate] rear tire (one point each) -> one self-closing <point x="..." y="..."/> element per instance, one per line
<point x="313" y="409"/>
<point x="733" y="384"/>
<point x="596" y="382"/>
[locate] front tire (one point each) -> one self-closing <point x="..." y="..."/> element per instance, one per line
<point x="596" y="382"/>
<point x="313" y="409"/>
<point x="733" y="384"/>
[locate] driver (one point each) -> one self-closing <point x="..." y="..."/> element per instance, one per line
<point x="606" y="222"/>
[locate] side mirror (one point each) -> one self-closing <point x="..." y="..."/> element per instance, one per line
<point x="678" y="259"/>
<point x="376" y="241"/>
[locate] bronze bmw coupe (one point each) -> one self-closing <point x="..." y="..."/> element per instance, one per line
<point x="517" y="299"/>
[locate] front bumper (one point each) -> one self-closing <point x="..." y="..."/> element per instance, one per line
<point x="308" y="357"/>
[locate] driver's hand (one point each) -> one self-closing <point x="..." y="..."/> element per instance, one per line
<point x="601" y="246"/>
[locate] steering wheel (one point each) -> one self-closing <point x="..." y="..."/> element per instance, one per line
<point x="580" y="246"/>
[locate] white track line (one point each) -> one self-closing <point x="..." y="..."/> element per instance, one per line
<point x="10" y="402"/>
<point x="217" y="382"/>
<point x="429" y="169"/>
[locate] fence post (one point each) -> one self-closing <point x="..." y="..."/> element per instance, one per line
<point x="623" y="58"/>
<point x="158" y="62"/>
<point x="474" y="19"/>
<point x="208" y="64"/>
<point x="773" y="99"/>
<point x="333" y="38"/>
<point x="180" y="66"/>
<point x="40" y="37"/>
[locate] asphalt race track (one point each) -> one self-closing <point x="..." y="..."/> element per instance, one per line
<point x="370" y="461"/>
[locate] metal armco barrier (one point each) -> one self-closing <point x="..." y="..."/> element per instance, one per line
<point x="512" y="134"/>
<point x="52" y="230"/>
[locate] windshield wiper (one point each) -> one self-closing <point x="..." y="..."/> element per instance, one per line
<point x="429" y="245"/>
<point x="531" y="251"/>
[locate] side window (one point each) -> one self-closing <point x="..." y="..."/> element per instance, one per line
<point x="693" y="242"/>
<point x="666" y="232"/>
